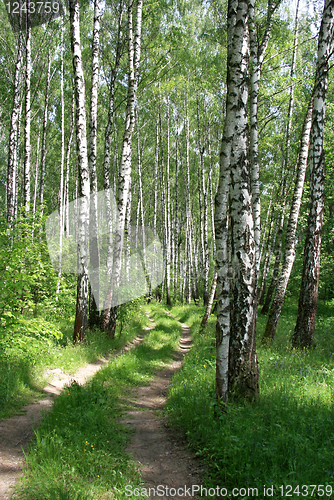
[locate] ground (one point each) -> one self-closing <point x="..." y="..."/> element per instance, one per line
<point x="160" y="451"/>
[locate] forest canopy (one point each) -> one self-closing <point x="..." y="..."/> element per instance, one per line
<point x="198" y="121"/>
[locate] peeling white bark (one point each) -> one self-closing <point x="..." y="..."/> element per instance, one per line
<point x="308" y="299"/>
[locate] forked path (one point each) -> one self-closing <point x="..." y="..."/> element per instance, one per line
<point x="17" y="431"/>
<point x="165" y="463"/>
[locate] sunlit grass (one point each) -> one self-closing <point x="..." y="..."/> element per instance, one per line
<point x="79" y="448"/>
<point x="25" y="358"/>
<point x="287" y="436"/>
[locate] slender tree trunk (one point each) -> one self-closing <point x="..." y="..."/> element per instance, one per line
<point x="17" y="161"/>
<point x="203" y="195"/>
<point x="201" y="190"/>
<point x="67" y="176"/>
<point x="176" y="215"/>
<point x="45" y="122"/>
<point x="257" y="52"/>
<point x="80" y="325"/>
<point x="237" y="367"/>
<point x="189" y="260"/>
<point x="163" y="199"/>
<point x="36" y="178"/>
<point x="308" y="300"/>
<point x="276" y="270"/>
<point x="62" y="156"/>
<point x="168" y="214"/>
<point x="210" y="302"/>
<point x="196" y="251"/>
<point x="127" y="228"/>
<point x="141" y="202"/>
<point x="267" y="258"/>
<point x="286" y="161"/>
<point x="221" y="224"/>
<point x="156" y="163"/>
<point x="215" y="277"/>
<point x="94" y="256"/>
<point x="212" y="210"/>
<point x="108" y="320"/>
<point x="27" y="145"/>
<point x="106" y="160"/>
<point x="13" y="137"/>
<point x="265" y="230"/>
<point x="289" y="254"/>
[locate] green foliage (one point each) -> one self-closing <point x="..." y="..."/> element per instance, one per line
<point x="284" y="438"/>
<point x="28" y="346"/>
<point x="23" y="343"/>
<point x="26" y="274"/>
<point x="126" y="311"/>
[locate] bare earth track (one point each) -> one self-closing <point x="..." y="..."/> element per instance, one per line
<point x="16" y="432"/>
<point x="161" y="453"/>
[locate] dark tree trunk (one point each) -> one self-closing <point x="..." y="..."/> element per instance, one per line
<point x="303" y="335"/>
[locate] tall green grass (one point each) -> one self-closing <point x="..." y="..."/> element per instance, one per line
<point x="29" y="346"/>
<point x="78" y="452"/>
<point x="287" y="437"/>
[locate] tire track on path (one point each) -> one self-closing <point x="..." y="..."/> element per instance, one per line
<point x="162" y="456"/>
<point x="17" y="431"/>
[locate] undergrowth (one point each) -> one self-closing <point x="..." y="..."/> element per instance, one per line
<point x="29" y="346"/>
<point x="286" y="438"/>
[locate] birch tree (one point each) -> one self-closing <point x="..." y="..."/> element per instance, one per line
<point x="236" y="365"/>
<point x="27" y="146"/>
<point x="134" y="42"/>
<point x="289" y="254"/>
<point x="45" y="122"/>
<point x="92" y="148"/>
<point x="257" y="52"/>
<point x="13" y="135"/>
<point x="80" y="325"/>
<point x="303" y="335"/>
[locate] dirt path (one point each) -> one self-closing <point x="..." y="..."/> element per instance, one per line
<point x="163" y="458"/>
<point x="17" y="431"/>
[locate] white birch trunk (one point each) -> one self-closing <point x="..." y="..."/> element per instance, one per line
<point x="62" y="156"/>
<point x="108" y="321"/>
<point x="237" y="368"/>
<point x="80" y="325"/>
<point x="289" y="254"/>
<point x="257" y="52"/>
<point x="45" y="122"/>
<point x="27" y="145"/>
<point x="189" y="260"/>
<point x="94" y="255"/>
<point x="36" y="179"/>
<point x="67" y="175"/>
<point x="308" y="300"/>
<point x="13" y="137"/>
<point x="168" y="215"/>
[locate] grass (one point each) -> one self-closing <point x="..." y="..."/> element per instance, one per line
<point x="78" y="453"/>
<point x="29" y="346"/>
<point x="287" y="437"/>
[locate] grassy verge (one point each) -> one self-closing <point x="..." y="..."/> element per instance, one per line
<point x="287" y="437"/>
<point x="28" y="346"/>
<point x="79" y="448"/>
